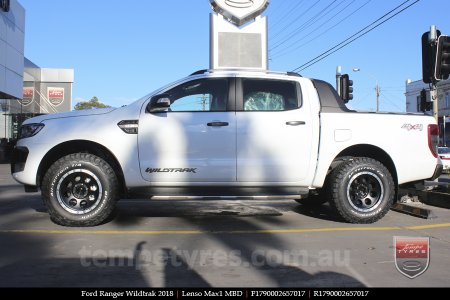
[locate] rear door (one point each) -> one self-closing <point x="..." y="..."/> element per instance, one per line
<point x="274" y="132"/>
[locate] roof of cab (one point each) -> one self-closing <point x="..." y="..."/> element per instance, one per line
<point x="210" y="71"/>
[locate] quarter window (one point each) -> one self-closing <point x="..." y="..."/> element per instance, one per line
<point x="269" y="95"/>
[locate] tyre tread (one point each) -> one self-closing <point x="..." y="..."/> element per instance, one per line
<point x="337" y="177"/>
<point x="72" y="158"/>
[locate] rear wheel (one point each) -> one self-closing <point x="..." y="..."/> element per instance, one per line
<point x="361" y="190"/>
<point x="80" y="190"/>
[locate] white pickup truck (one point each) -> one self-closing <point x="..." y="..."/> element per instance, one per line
<point x="226" y="133"/>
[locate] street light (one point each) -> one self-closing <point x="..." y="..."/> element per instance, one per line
<point x="377" y="87"/>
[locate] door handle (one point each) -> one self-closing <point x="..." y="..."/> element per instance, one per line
<point x="295" y="123"/>
<point x="217" y="124"/>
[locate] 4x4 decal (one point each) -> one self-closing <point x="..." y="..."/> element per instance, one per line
<point x="171" y="170"/>
<point x="410" y="127"/>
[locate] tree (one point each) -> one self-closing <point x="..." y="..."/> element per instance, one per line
<point x="91" y="104"/>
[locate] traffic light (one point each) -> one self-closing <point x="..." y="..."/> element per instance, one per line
<point x="346" y="88"/>
<point x="443" y="58"/>
<point x="424" y="104"/>
<point x="428" y="58"/>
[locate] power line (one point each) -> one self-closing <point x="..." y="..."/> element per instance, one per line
<point x="352" y="38"/>
<point x="368" y="94"/>
<point x="290" y="10"/>
<point x="286" y="50"/>
<point x="301" y="15"/>
<point x="393" y="90"/>
<point x="322" y="13"/>
<point x="391" y="102"/>
<point x="318" y="35"/>
<point x="394" y="87"/>
<point x="275" y="10"/>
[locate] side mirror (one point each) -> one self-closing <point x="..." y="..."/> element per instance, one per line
<point x="159" y="103"/>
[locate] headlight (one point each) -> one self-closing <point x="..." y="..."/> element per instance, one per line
<point x="29" y="130"/>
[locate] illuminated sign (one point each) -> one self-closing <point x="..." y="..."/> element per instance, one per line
<point x="239" y="12"/>
<point x="27" y="96"/>
<point x="4" y="5"/>
<point x="55" y="95"/>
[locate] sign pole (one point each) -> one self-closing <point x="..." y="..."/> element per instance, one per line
<point x="445" y="143"/>
<point x="434" y="98"/>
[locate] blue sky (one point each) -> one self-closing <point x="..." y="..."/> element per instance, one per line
<point x="122" y="50"/>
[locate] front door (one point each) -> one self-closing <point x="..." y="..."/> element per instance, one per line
<point x="195" y="139"/>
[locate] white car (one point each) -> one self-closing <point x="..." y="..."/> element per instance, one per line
<point x="226" y="133"/>
<point x="444" y="155"/>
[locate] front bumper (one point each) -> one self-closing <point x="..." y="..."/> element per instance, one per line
<point x="19" y="159"/>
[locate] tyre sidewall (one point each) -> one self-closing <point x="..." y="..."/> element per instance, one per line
<point x="106" y="204"/>
<point x="385" y="201"/>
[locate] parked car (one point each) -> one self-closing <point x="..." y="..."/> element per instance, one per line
<point x="444" y="155"/>
<point x="226" y="133"/>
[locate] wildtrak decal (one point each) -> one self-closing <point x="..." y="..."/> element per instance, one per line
<point x="171" y="170"/>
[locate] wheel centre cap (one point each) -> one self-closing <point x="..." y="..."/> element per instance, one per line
<point x="80" y="190"/>
<point x="362" y="191"/>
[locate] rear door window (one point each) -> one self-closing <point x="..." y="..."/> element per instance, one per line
<point x="269" y="95"/>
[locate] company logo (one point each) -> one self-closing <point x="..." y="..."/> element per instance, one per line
<point x="412" y="255"/>
<point x="171" y="170"/>
<point x="410" y="127"/>
<point x="55" y="95"/>
<point x="239" y="12"/>
<point x="27" y="96"/>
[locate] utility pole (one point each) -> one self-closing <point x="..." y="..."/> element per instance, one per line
<point x="203" y="102"/>
<point x="377" y="87"/>
<point x="377" y="90"/>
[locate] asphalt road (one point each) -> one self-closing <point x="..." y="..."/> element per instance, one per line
<point x="210" y="244"/>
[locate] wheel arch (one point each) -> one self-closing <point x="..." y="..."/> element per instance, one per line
<point x="81" y="146"/>
<point x="371" y="151"/>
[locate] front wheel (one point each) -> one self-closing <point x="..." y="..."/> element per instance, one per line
<point x="80" y="190"/>
<point x="361" y="190"/>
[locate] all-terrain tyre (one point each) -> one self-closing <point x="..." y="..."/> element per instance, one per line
<point x="361" y="190"/>
<point x="80" y="190"/>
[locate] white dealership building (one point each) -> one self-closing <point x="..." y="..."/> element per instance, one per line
<point x="413" y="89"/>
<point x="26" y="90"/>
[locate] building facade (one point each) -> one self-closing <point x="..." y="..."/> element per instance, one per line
<point x="12" y="35"/>
<point x="43" y="91"/>
<point x="413" y="89"/>
<point x="26" y="90"/>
